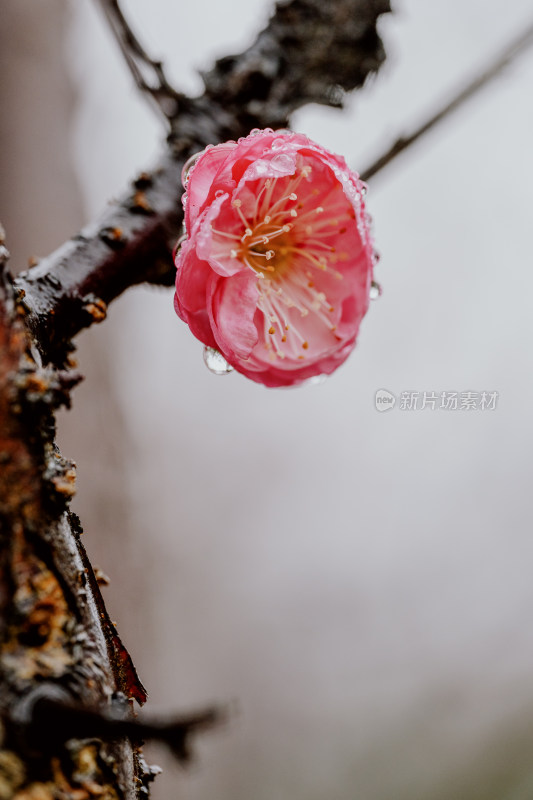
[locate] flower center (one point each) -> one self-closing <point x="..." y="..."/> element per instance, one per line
<point x="286" y="239"/>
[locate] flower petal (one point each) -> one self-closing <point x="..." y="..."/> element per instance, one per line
<point x="201" y="178"/>
<point x="232" y="304"/>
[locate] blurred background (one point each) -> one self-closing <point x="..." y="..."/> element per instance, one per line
<point x="360" y="584"/>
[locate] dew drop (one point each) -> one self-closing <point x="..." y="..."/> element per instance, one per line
<point x="188" y="167"/>
<point x="219" y="192"/>
<point x="317" y="380"/>
<point x="255" y="132"/>
<point x="215" y="362"/>
<point x="375" y="290"/>
<point x="282" y="162"/>
<point x="277" y="144"/>
<point x="257" y="170"/>
<point x="181" y="240"/>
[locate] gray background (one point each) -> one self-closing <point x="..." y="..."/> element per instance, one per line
<point x="359" y="583"/>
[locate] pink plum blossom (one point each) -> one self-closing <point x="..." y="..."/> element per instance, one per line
<point x="275" y="271"/>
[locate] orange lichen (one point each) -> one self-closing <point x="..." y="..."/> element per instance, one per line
<point x="65" y="484"/>
<point x="96" y="308"/>
<point x="140" y="203"/>
<point x="36" y="643"/>
<point x="87" y="781"/>
<point x="19" y="476"/>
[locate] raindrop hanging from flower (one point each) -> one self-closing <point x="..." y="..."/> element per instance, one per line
<point x="276" y="271"/>
<point x="215" y="362"/>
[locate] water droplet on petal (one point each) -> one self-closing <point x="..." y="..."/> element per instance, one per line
<point x="375" y="290"/>
<point x="317" y="380"/>
<point x="255" y="132"/>
<point x="219" y="192"/>
<point x="188" y="166"/>
<point x="257" y="170"/>
<point x="282" y="162"/>
<point x="277" y="144"/>
<point x="215" y="362"/>
<point x="183" y="238"/>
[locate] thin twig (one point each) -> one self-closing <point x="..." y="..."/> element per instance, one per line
<point x="493" y="70"/>
<point x="148" y="74"/>
<point x="47" y="719"/>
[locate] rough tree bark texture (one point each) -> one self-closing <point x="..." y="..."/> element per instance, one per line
<point x="56" y="639"/>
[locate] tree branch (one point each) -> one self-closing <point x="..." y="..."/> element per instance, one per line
<point x="53" y="623"/>
<point x="492" y="71"/>
<point x="309" y="52"/>
<point x="54" y="628"/>
<point x="48" y="717"/>
<point x="129" y="243"/>
<point x="148" y="74"/>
